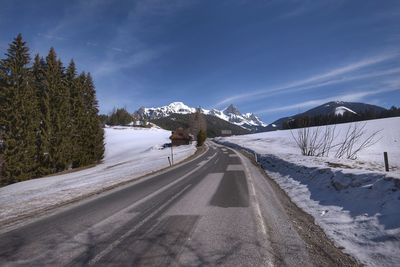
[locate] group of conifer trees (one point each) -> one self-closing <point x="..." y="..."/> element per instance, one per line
<point x="48" y="116"/>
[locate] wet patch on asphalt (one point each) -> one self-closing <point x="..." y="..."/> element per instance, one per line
<point x="232" y="191"/>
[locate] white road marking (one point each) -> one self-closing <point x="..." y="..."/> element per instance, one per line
<point x="235" y="167"/>
<point x="256" y="205"/>
<point x="233" y="156"/>
<point x="94" y="260"/>
<point x="113" y="245"/>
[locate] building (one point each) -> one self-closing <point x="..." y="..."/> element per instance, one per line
<point x="181" y="137"/>
<point x="226" y="132"/>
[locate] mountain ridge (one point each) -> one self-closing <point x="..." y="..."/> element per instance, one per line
<point x="250" y="121"/>
<point x="230" y="114"/>
<point x="329" y="108"/>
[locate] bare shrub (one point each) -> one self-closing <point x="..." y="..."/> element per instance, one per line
<point x="355" y="141"/>
<point x="317" y="142"/>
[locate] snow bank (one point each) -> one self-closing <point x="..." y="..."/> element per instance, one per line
<point x="354" y="201"/>
<point x="130" y="153"/>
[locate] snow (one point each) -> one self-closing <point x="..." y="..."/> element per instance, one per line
<point x="174" y="107"/>
<point x="354" y="201"/>
<point x="130" y="153"/>
<point x="181" y="108"/>
<point x="341" y="110"/>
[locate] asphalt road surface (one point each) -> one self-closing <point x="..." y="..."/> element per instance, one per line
<point x="217" y="209"/>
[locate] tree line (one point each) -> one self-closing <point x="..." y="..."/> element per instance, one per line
<point x="321" y="120"/>
<point x="48" y="116"/>
<point x="119" y="116"/>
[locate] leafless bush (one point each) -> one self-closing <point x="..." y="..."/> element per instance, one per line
<point x="314" y="141"/>
<point x="355" y="141"/>
<point x="317" y="142"/>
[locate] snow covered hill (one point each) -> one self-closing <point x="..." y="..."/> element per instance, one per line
<point x="355" y="201"/>
<point x="130" y="153"/>
<point x="329" y="108"/>
<point x="230" y="114"/>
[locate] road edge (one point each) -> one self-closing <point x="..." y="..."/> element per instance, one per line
<point x="303" y="223"/>
<point x="38" y="214"/>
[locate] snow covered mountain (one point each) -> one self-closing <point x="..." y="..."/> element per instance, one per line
<point x="230" y="114"/>
<point x="330" y="108"/>
<point x="164" y="111"/>
<point x="340" y="107"/>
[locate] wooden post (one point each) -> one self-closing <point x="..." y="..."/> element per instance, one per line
<point x="255" y="157"/>
<point x="385" y="156"/>
<point x="172" y="154"/>
<point x="169" y="160"/>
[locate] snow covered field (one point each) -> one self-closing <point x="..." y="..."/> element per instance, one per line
<point x="354" y="201"/>
<point x="130" y="153"/>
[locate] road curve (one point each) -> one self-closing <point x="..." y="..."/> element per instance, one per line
<point x="218" y="209"/>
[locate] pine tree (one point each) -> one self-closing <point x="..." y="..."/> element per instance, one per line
<point x="81" y="157"/>
<point x="120" y="116"/>
<point x="75" y="85"/>
<point x="44" y="131"/>
<point x="95" y="144"/>
<point x="48" y="116"/>
<point x="19" y="113"/>
<point x="60" y="155"/>
<point x="201" y="137"/>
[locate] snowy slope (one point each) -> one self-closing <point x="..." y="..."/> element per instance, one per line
<point x="354" y="201"/>
<point x="341" y="110"/>
<point x="130" y="153"/>
<point x="329" y="108"/>
<point x="230" y="114"/>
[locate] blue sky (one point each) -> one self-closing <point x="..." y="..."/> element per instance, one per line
<point x="274" y="58"/>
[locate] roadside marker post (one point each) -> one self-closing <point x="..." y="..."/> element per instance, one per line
<point x="385" y="156"/>
<point x="172" y="154"/>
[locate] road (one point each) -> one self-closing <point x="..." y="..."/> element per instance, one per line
<point x="217" y="209"/>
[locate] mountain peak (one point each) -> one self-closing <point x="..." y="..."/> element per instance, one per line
<point x="230" y="114"/>
<point x="179" y="106"/>
<point x="231" y="109"/>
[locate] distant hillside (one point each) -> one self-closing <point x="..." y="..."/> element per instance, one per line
<point x="214" y="124"/>
<point x="349" y="110"/>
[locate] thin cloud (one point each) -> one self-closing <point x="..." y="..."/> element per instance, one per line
<point x="304" y="7"/>
<point x="117" y="49"/>
<point x="52" y="37"/>
<point x="91" y="44"/>
<point x="351" y="97"/>
<point x="139" y="58"/>
<point x="333" y="76"/>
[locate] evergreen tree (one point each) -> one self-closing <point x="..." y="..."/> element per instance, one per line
<point x="120" y="116"/>
<point x="44" y="130"/>
<point x="19" y="113"/>
<point x="95" y="144"/>
<point x="201" y="137"/>
<point x="60" y="156"/>
<point x="76" y="113"/>
<point x="48" y="116"/>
